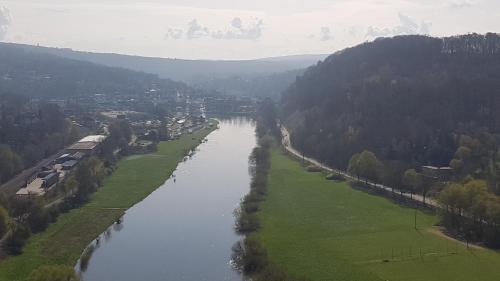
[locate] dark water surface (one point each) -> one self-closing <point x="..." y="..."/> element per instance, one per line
<point x="183" y="230"/>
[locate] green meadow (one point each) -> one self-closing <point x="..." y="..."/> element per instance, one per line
<point x="325" y="230"/>
<point x="134" y="179"/>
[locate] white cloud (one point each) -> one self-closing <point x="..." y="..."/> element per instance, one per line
<point x="237" y="23"/>
<point x="460" y="4"/>
<point x="252" y="31"/>
<point x="195" y="30"/>
<point x="4" y="22"/>
<point x="237" y="31"/>
<point x="326" y="34"/>
<point x="406" y="26"/>
<point x="228" y="29"/>
<point x="174" y="33"/>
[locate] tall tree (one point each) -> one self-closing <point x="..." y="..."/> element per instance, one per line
<point x="412" y="180"/>
<point x="366" y="165"/>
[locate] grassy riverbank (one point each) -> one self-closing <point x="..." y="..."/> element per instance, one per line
<point x="325" y="230"/>
<point x="135" y="178"/>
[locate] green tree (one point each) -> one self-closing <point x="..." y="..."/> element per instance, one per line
<point x="89" y="175"/>
<point x="4" y="221"/>
<point x="16" y="238"/>
<point x="120" y="133"/>
<point x="457" y="164"/>
<point x="10" y="163"/>
<point x="412" y="180"/>
<point x="70" y="185"/>
<point x="366" y="165"/>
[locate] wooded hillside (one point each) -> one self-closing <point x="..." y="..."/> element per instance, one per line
<point x="408" y="99"/>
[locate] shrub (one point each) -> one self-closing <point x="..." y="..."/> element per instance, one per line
<point x="247" y="222"/>
<point x="313" y="169"/>
<point x="15" y="240"/>
<point x="335" y="177"/>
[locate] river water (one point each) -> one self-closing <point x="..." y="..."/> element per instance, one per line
<point x="185" y="229"/>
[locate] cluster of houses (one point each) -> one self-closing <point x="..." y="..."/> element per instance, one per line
<point x="175" y="126"/>
<point x="48" y="176"/>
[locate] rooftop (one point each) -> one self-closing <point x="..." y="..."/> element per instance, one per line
<point x="93" y="138"/>
<point x="83" y="146"/>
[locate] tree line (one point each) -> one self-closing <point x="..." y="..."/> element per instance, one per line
<point x="384" y="109"/>
<point x="471" y="212"/>
<point x="20" y="217"/>
<point x="250" y="256"/>
<point x="29" y="133"/>
<point x="403" y="98"/>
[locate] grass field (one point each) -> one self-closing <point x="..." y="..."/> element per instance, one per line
<point x="136" y="177"/>
<point x="326" y="230"/>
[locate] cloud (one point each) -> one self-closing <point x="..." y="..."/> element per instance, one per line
<point x="4" y="22"/>
<point x="237" y="31"/>
<point x="353" y="31"/>
<point x="174" y="33"/>
<point x="406" y="26"/>
<point x="237" y="23"/>
<point x="252" y="31"/>
<point x="195" y="30"/>
<point x="326" y="34"/>
<point x="425" y="28"/>
<point x="461" y="4"/>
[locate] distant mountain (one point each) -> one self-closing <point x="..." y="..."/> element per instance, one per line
<point x="24" y="70"/>
<point x="266" y="85"/>
<point x="260" y="77"/>
<point x="187" y="70"/>
<point x="304" y="60"/>
<point x="408" y="99"/>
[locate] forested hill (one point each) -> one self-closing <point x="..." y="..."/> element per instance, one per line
<point x="269" y="85"/>
<point x="261" y="77"/>
<point x="408" y="99"/>
<point x="45" y="75"/>
<point x="188" y="71"/>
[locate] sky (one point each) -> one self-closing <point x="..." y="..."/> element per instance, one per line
<point x="232" y="29"/>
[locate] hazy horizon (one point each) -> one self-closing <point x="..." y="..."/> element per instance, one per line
<point x="222" y="29"/>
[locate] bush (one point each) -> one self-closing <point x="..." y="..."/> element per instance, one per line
<point x="254" y="256"/>
<point x="247" y="222"/>
<point x="38" y="219"/>
<point x="251" y="207"/>
<point x="335" y="177"/>
<point x="4" y="221"/>
<point x="313" y="169"/>
<point x="15" y="240"/>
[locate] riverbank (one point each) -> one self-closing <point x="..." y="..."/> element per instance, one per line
<point x="325" y="230"/>
<point x="135" y="178"/>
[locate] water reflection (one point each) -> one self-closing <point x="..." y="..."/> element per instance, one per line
<point x="104" y="238"/>
<point x="183" y="230"/>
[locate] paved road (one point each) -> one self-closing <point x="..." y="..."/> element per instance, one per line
<point x="19" y="180"/>
<point x="415" y="197"/>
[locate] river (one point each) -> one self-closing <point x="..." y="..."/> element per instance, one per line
<point x="185" y="229"/>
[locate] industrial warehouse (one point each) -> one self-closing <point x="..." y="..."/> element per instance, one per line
<point x="41" y="181"/>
